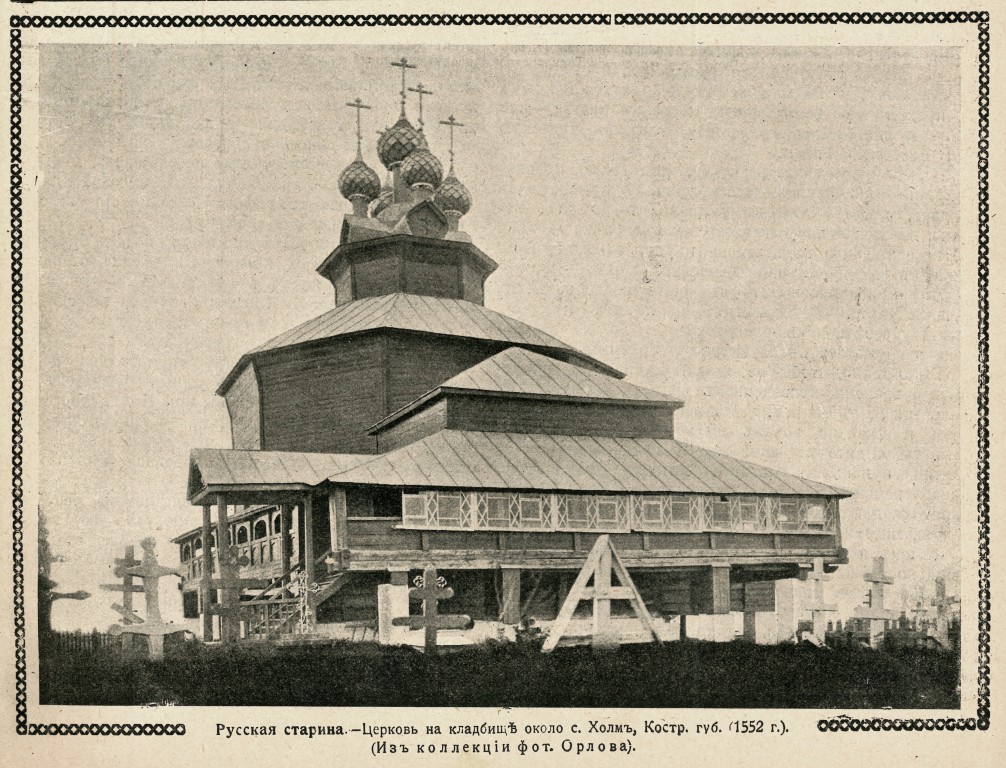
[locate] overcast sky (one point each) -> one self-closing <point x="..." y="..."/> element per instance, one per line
<point x="769" y="234"/>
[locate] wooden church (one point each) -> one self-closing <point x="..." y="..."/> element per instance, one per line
<point x="411" y="425"/>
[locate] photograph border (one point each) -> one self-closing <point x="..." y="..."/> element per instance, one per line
<point x="980" y="19"/>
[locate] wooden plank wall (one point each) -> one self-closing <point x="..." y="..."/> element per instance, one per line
<point x="422" y="424"/>
<point x="323" y="398"/>
<point x="418" y="363"/>
<point x="506" y="414"/>
<point x="243" y="407"/>
<point x="376" y="277"/>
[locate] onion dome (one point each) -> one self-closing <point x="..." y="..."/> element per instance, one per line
<point x="452" y="195"/>
<point x="359" y="180"/>
<point x="384" y="199"/>
<point x="422" y="167"/>
<point x="398" y="142"/>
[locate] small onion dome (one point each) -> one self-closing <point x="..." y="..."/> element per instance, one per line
<point x="422" y="167"/>
<point x="385" y="199"/>
<point x="398" y="142"/>
<point x="359" y="180"/>
<point x="452" y="195"/>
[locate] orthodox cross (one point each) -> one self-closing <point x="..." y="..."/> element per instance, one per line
<point x="358" y="105"/>
<point x="873" y="609"/>
<point x="431" y="589"/>
<point x="918" y="611"/>
<point x="419" y="89"/>
<point x="452" y="124"/>
<point x="942" y="603"/>
<point x="148" y="569"/>
<point x="151" y="572"/>
<point x="126" y="587"/>
<point x="404" y="65"/>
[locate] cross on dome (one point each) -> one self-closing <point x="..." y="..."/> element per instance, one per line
<point x="358" y="105"/>
<point x="421" y="91"/>
<point x="452" y="124"/>
<point x="404" y="65"/>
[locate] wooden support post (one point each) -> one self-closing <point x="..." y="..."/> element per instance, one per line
<point x="785" y="610"/>
<point x="720" y="589"/>
<point x="285" y="545"/>
<point x="228" y="569"/>
<point x="602" y="604"/>
<point x="206" y="592"/>
<point x="337" y="523"/>
<point x="308" y="556"/>
<point x="511" y="596"/>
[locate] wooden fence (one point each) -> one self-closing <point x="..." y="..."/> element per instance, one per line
<point x="79" y="641"/>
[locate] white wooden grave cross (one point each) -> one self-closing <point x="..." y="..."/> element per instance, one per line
<point x="918" y="611"/>
<point x="602" y="560"/>
<point x="874" y="609"/>
<point x="819" y="609"/>
<point x="431" y="589"/>
<point x="153" y="626"/>
<point x="942" y="603"/>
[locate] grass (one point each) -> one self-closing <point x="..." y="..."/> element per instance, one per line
<point x="689" y="674"/>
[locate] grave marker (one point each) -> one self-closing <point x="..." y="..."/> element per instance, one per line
<point x="874" y="610"/>
<point x="431" y="589"/>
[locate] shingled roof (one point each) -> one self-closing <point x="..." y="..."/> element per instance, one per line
<point x="428" y="314"/>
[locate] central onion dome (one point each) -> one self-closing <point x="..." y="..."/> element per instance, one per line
<point x="359" y="180"/>
<point x="398" y="142"/>
<point x="422" y="167"/>
<point x="452" y="195"/>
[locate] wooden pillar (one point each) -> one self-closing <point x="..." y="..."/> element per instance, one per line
<point x="227" y="570"/>
<point x="602" y="637"/>
<point x="308" y="522"/>
<point x="785" y="609"/>
<point x="720" y="589"/>
<point x="511" y="595"/>
<point x="285" y="548"/>
<point x="337" y="523"/>
<point x="206" y="592"/>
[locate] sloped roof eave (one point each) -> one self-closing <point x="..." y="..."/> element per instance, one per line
<point x="619" y="465"/>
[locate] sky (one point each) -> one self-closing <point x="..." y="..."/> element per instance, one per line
<point x="769" y="234"/>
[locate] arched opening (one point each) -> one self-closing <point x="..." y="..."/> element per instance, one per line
<point x="261" y="529"/>
<point x="186" y="553"/>
<point x="197" y="545"/>
<point x="243" y="534"/>
<point x="277" y="523"/>
<point x="213" y="539"/>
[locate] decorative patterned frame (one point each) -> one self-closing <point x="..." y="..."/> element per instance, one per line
<point x="19" y="23"/>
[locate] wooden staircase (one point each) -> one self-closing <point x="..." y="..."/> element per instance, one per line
<point x="276" y="610"/>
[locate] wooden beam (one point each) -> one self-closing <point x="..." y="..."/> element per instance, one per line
<point x="720" y="577"/>
<point x="511" y="596"/>
<point x="285" y="545"/>
<point x="337" y="522"/>
<point x="206" y="590"/>
<point x="228" y="597"/>
<point x="309" y="555"/>
<point x="572" y="601"/>
<point x="400" y="578"/>
<point x="237" y="583"/>
<point x="602" y="599"/>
